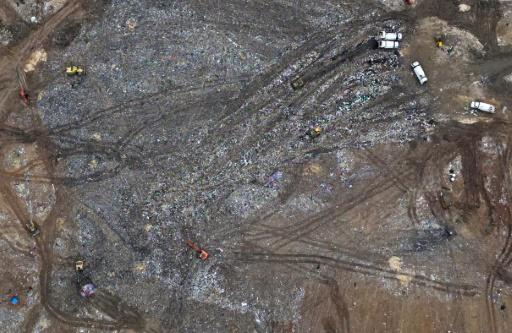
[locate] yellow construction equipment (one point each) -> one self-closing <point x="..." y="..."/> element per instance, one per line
<point x="440" y="40"/>
<point x="79" y="265"/>
<point x="75" y="70"/>
<point x="314" y="132"/>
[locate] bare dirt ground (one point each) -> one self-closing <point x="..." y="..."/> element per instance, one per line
<point x="186" y="127"/>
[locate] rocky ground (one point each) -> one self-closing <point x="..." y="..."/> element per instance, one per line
<point x="395" y="218"/>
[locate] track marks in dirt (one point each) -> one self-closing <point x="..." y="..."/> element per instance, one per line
<point x="123" y="316"/>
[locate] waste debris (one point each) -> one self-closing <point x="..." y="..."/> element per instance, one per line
<point x="14" y="300"/>
<point x="464" y="8"/>
<point x="274" y="179"/>
<point x="35" y="58"/>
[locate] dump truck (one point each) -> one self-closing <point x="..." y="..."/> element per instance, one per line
<point x="392" y="36"/>
<point x="419" y="72"/>
<point x="388" y="44"/>
<point x="484" y="107"/>
<point x="314" y="132"/>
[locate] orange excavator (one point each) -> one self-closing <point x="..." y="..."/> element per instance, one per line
<point x="201" y="253"/>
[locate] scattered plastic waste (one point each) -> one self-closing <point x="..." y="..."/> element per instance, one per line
<point x="452" y="175"/>
<point x="88" y="290"/>
<point x="274" y="178"/>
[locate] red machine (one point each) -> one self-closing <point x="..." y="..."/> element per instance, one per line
<point x="202" y="254"/>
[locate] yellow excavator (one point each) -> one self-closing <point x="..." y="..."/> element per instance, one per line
<point x="75" y="70"/>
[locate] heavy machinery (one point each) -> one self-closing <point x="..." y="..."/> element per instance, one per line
<point x="388" y="44"/>
<point x="75" y="70"/>
<point x="297" y="83"/>
<point x="201" y="253"/>
<point x="84" y="283"/>
<point x="314" y="132"/>
<point x="32" y="228"/>
<point x="392" y="36"/>
<point x="325" y="65"/>
<point x="439" y="40"/>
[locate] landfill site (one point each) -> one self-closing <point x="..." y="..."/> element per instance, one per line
<point x="262" y="166"/>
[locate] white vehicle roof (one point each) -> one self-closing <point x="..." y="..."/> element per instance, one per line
<point x="484" y="107"/>
<point x="392" y="36"/>
<point x="388" y="44"/>
<point x="420" y="73"/>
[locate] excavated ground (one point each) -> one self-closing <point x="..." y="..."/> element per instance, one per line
<point x="186" y="127"/>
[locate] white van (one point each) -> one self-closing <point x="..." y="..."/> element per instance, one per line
<point x="420" y="73"/>
<point x="387" y="44"/>
<point x="393" y="36"/>
<point x="484" y="107"/>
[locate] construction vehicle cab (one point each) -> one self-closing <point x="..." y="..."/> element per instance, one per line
<point x="314" y="132"/>
<point x="297" y="83"/>
<point x="79" y="265"/>
<point x="75" y="70"/>
<point x="33" y="229"/>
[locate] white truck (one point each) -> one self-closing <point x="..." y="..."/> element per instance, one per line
<point x="420" y="73"/>
<point x="388" y="44"/>
<point x="484" y="107"/>
<point x="392" y="36"/>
